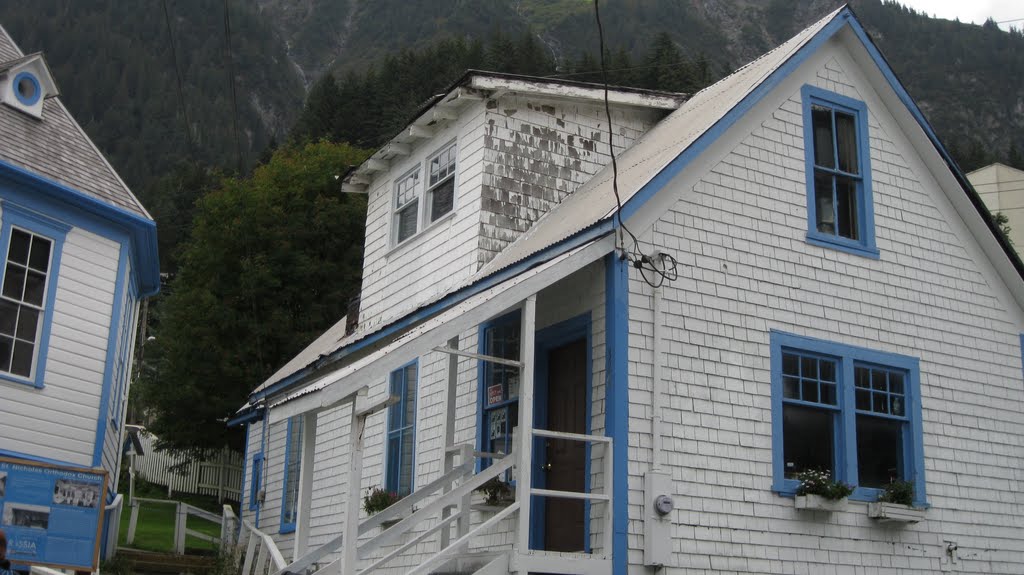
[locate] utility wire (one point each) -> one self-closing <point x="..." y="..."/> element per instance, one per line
<point x="1008" y="21"/>
<point x="181" y="92"/>
<point x="665" y="268"/>
<point x="231" y="75"/>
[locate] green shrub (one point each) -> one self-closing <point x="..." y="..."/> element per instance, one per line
<point x="897" y="491"/>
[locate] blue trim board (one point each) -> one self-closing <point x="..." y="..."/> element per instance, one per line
<point x="617" y="398"/>
<point x="549" y="338"/>
<point x="28" y="220"/>
<point x="250" y="415"/>
<point x="109" y="377"/>
<point x="865" y="246"/>
<point x="90" y="213"/>
<point x="37" y="90"/>
<point x="845" y="433"/>
<point x="593" y="232"/>
<point x="245" y="466"/>
<point x="29" y="457"/>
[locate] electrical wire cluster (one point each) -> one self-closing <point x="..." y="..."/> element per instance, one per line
<point x="661" y="266"/>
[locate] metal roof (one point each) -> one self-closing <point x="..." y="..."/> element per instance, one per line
<point x="57" y="149"/>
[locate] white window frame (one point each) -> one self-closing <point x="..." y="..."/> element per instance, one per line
<point x="430" y="187"/>
<point x="423" y="189"/>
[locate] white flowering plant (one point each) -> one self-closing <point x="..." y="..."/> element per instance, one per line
<point x="819" y="482"/>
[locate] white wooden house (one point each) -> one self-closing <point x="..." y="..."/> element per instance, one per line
<point x="839" y="301"/>
<point x="79" y="254"/>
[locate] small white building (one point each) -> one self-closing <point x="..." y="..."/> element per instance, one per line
<point x="79" y="255"/>
<point x="1002" y="189"/>
<point x="813" y="285"/>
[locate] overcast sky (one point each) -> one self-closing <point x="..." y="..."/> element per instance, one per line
<point x="972" y="10"/>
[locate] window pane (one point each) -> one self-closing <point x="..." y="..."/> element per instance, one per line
<point x="880" y="403"/>
<point x="394" y="459"/>
<point x="40" y="257"/>
<point x="863" y="400"/>
<point x="35" y="286"/>
<point x="8" y="317"/>
<point x="809" y="367"/>
<point x="878" y="380"/>
<point x="790" y="364"/>
<point x="828" y="370"/>
<point x="19" y="247"/>
<point x="862" y="376"/>
<point x="807" y="439"/>
<point x="809" y="390"/>
<point x="896" y="382"/>
<point x="14" y="281"/>
<point x="846" y="136"/>
<point x="823" y="205"/>
<point x="791" y="388"/>
<point x="405" y="190"/>
<point x="846" y="207"/>
<point x="21" y="362"/>
<point x="6" y="346"/>
<point x="442" y="199"/>
<point x="879" y="450"/>
<point x="828" y="393"/>
<point x="409" y="417"/>
<point x="821" y="119"/>
<point x="28" y="321"/>
<point x="407" y="221"/>
<point x="405" y="476"/>
<point x="395" y="410"/>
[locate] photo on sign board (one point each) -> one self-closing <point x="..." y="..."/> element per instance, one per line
<point x="67" y="492"/>
<point x="25" y="515"/>
<point x="3" y="484"/>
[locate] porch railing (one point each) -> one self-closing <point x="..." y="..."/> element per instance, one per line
<point x="181" y="530"/>
<point x="260" y="556"/>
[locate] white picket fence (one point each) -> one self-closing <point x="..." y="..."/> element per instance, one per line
<point x="219" y="474"/>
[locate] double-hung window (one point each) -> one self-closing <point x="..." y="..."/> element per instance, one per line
<point x="850" y="411"/>
<point x="32" y="245"/>
<point x="401" y="446"/>
<point x="441" y="183"/>
<point x="292" y="470"/>
<point x="499" y="385"/>
<point x="839" y="207"/>
<point x="416" y="206"/>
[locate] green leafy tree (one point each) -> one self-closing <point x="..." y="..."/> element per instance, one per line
<point x="271" y="262"/>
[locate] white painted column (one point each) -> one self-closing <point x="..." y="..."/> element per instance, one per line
<point x="305" y="502"/>
<point x="524" y="473"/>
<point x="355" y="480"/>
<point x="449" y="433"/>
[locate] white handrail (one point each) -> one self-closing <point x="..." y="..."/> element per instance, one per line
<point x="261" y="545"/>
<point x="442" y="555"/>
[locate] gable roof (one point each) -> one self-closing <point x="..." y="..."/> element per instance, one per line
<point x="57" y="149"/>
<point x="644" y="169"/>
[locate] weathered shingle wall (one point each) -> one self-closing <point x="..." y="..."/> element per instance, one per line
<point x="746" y="268"/>
<point x="537" y="153"/>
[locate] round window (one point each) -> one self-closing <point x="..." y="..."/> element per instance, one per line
<point x="26" y="88"/>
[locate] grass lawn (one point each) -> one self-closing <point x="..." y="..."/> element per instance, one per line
<point x="155" y="528"/>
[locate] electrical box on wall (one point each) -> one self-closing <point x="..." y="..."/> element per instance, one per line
<point x="25" y="83"/>
<point x="658" y="505"/>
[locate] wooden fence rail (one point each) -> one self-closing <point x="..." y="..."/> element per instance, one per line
<point x="219" y="474"/>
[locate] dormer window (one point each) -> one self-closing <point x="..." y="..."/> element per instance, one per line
<point x="25" y="83"/>
<point x="437" y="197"/>
<point x="441" y="183"/>
<point x="26" y="88"/>
<point x="407" y="200"/>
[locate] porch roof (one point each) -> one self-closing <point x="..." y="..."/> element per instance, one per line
<point x="344" y="382"/>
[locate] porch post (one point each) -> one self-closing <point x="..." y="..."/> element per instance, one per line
<point x="305" y="502"/>
<point x="524" y="472"/>
<point x="449" y="437"/>
<point x="355" y="479"/>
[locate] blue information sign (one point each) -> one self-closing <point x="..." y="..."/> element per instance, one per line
<point x="51" y="515"/>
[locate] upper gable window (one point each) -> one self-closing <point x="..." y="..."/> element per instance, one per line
<point x="437" y="198"/>
<point x="32" y="245"/>
<point x="839" y="207"/>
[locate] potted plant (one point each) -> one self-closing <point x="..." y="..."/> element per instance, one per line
<point x="377" y="500"/>
<point x="497" y="493"/>
<point x="819" y="492"/>
<point x="895" y="504"/>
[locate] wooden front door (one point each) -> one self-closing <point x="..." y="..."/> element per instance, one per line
<point x="565" y="466"/>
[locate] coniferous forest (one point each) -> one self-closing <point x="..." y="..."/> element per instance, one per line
<point x="231" y="122"/>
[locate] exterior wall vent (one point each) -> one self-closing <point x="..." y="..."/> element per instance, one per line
<point x="25" y="83"/>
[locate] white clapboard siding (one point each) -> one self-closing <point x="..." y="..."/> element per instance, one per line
<point x="59" y="421"/>
<point x="218" y="474"/>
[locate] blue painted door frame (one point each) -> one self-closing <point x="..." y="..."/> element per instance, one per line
<point x="547" y="339"/>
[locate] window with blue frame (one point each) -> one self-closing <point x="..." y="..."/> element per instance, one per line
<point x="499" y="385"/>
<point x="32" y="245"/>
<point x="401" y="446"/>
<point x="839" y="207"/>
<point x="850" y="411"/>
<point x="292" y="469"/>
<point x="256" y="481"/>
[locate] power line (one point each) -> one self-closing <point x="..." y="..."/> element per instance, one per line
<point x="181" y="93"/>
<point x="1008" y="21"/>
<point x="231" y="75"/>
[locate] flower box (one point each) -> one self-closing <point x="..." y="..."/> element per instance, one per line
<point x="819" y="503"/>
<point x="895" y="513"/>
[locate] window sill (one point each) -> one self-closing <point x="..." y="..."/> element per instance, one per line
<point x="21" y="380"/>
<point x="895" y="513"/>
<point x="842" y="244"/>
<point x="412" y="239"/>
<point x="287" y="528"/>
<point x="819" y="503"/>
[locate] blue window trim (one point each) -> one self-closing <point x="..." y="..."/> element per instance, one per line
<point x="482" y="441"/>
<point x="123" y="341"/>
<point x="847" y="357"/>
<point x="14" y="215"/>
<point x="35" y="81"/>
<point x="288" y="526"/>
<point x="255" y="481"/>
<point x="391" y="483"/>
<point x="812" y="95"/>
